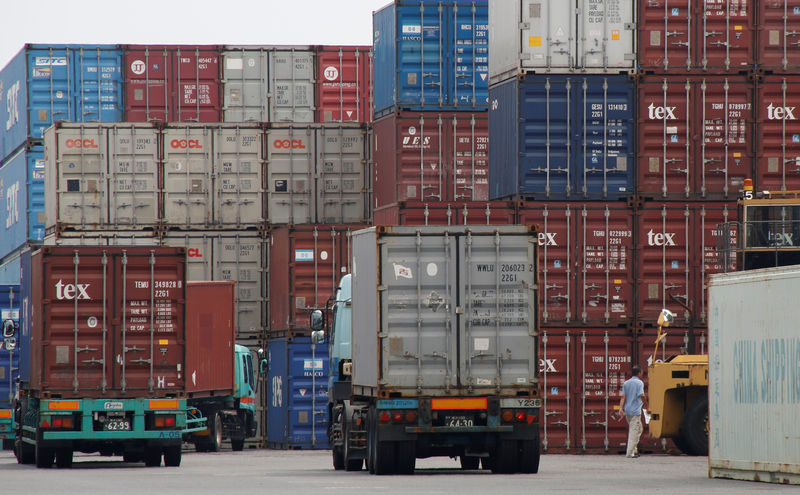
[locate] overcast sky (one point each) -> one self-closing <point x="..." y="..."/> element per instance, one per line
<point x="223" y="22"/>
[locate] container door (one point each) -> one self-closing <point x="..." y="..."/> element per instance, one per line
<point x="50" y="98"/>
<point x="548" y="36"/>
<point x="238" y="177"/>
<point x="146" y="86"/>
<point x="187" y="181"/>
<point x="422" y="56"/>
<point x="195" y="85"/>
<point x="469" y="167"/>
<point x="308" y="395"/>
<point x="778" y="131"/>
<point x="342" y="165"/>
<point x="291" y="90"/>
<point x="495" y="282"/>
<point x="81" y="164"/>
<point x="469" y="81"/>
<point x="98" y="82"/>
<point x="240" y="258"/>
<point x="728" y="35"/>
<point x="666" y="34"/>
<point x="244" y="75"/>
<point x="607" y="34"/>
<point x="133" y="176"/>
<point x="708" y="240"/>
<point x="555" y="369"/>
<point x="290" y="175"/>
<point x="344" y="84"/>
<point x="778" y="36"/>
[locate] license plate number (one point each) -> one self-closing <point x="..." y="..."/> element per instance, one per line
<point x="117" y="425"/>
<point x="459" y="421"/>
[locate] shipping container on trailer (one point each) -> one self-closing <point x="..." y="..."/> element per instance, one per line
<point x="317" y="173"/>
<point x="697" y="36"/>
<point x="695" y="136"/>
<point x="22" y="198"/>
<point x="778" y="41"/>
<point x="429" y="156"/>
<point x="305" y="265"/>
<point x="268" y="83"/>
<point x="580" y="36"/>
<point x="102" y="176"/>
<point x="229" y="255"/>
<point x="179" y="83"/>
<point x="213" y="176"/>
<point x="777" y="143"/>
<point x="343" y="84"/>
<point x="44" y="84"/>
<point x="297" y="384"/>
<point x="431" y="55"/>
<point x="447" y="213"/>
<point x="562" y="137"/>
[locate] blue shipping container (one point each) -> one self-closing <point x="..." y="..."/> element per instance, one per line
<point x="47" y="83"/>
<point x="24" y="333"/>
<point x="9" y="358"/>
<point x="10" y="268"/>
<point x="22" y="199"/>
<point x="297" y="394"/>
<point x="431" y="55"/>
<point x="562" y="137"/>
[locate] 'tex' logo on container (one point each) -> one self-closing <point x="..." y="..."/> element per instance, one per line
<point x="71" y="291"/>
<point x="780" y="113"/>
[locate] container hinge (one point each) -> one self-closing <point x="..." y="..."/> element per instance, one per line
<point x="382" y="335"/>
<point x="459" y="310"/>
<point x="629" y="56"/>
<point x="524" y="56"/>
<point x="630" y="26"/>
<point x="524" y="25"/>
<point x="139" y="361"/>
<point x="382" y="287"/>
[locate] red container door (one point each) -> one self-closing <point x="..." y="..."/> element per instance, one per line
<point x="556" y="368"/>
<point x="724" y="119"/>
<point x="196" y="83"/>
<point x="605" y="264"/>
<point x="210" y="337"/>
<point x="726" y="35"/>
<point x="148" y="94"/>
<point x="555" y="224"/>
<point x="665" y="35"/>
<point x="469" y="165"/>
<point x="778" y="36"/>
<point x="778" y="131"/>
<point x="344" y="84"/>
<point x="664" y="260"/>
<point x="708" y="239"/>
<point x="665" y="148"/>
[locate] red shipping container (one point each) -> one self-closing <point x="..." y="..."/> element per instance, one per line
<point x="778" y="125"/>
<point x="305" y="265"/>
<point x="344" y="84"/>
<point x="447" y="213"/>
<point x="582" y="372"/>
<point x="708" y="259"/>
<point x="586" y="254"/>
<point x="703" y="36"/>
<point x="695" y="137"/>
<point x="210" y="337"/>
<point x="778" y="35"/>
<point x="427" y="156"/>
<point x="136" y="294"/>
<point x="172" y="83"/>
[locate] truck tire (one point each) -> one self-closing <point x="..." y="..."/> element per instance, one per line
<point x="384" y="458"/>
<point x="26" y="453"/>
<point x="215" y="432"/>
<point x="694" y="427"/>
<point x="338" y="458"/>
<point x="529" y="456"/>
<point x="201" y="445"/>
<point x="172" y="456"/>
<point x="469" y="463"/>
<point x="405" y="457"/>
<point x="681" y="444"/>
<point x="44" y="456"/>
<point x="237" y="444"/>
<point x="152" y="457"/>
<point x="64" y="457"/>
<point x="506" y="457"/>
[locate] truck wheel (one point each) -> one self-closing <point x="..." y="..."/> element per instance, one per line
<point x="64" y="457"/>
<point x="215" y="433"/>
<point x="469" y="463"/>
<point x="487" y="463"/>
<point x="694" y="427"/>
<point x="237" y="444"/>
<point x="201" y="445"/>
<point x="44" y="456"/>
<point x="172" y="456"/>
<point x="506" y="459"/>
<point x="384" y="458"/>
<point x="338" y="458"/>
<point x="681" y="444"/>
<point x="405" y="457"/>
<point x="529" y="456"/>
<point x="152" y="457"/>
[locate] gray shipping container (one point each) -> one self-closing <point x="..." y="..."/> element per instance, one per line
<point x="584" y="36"/>
<point x="444" y="311"/>
<point x="226" y="255"/>
<point x="101" y="176"/>
<point x="318" y="173"/>
<point x="754" y="375"/>
<point x="268" y="84"/>
<point x="102" y="238"/>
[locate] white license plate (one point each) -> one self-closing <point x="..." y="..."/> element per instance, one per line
<point x="459" y="421"/>
<point x="117" y="425"/>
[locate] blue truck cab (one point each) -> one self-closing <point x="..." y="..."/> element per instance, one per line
<point x="9" y="360"/>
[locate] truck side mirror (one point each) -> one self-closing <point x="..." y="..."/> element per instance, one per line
<point x="317" y="337"/>
<point x="317" y="320"/>
<point x="10" y="328"/>
<point x="263" y="362"/>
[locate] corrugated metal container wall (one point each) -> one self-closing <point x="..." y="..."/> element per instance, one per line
<point x="213" y="176"/>
<point x="778" y="36"/>
<point x="172" y="83"/>
<point x="102" y="176"/>
<point x="447" y="213"/>
<point x="305" y="265"/>
<point x="297" y="394"/>
<point x="344" y="84"/>
<point x="586" y="256"/>
<point x="582" y="372"/>
<point x="585" y="36"/>
<point x="134" y="293"/>
<point x="10" y="301"/>
<point x="317" y="173"/>
<point x="428" y="156"/>
<point x="225" y="255"/>
<point x="268" y="83"/>
<point x="22" y="199"/>
<point x="778" y="133"/>
<point x="562" y="137"/>
<point x="753" y="373"/>
<point x="210" y="337"/>
<point x="431" y="55"/>
<point x="48" y="83"/>
<point x="10" y="268"/>
<point x="695" y="136"/>
<point x="697" y="36"/>
<point x="103" y="238"/>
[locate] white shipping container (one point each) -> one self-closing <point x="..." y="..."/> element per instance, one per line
<point x="754" y="375"/>
<point x="585" y="36"/>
